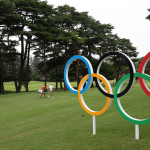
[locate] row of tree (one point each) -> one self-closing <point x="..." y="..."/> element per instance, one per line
<point x="53" y="35"/>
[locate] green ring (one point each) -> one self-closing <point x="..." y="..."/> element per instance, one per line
<point x="121" y="110"/>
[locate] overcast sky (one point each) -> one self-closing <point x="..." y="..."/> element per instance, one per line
<point x="127" y="17"/>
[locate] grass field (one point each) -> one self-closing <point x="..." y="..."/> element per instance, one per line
<point x="30" y="123"/>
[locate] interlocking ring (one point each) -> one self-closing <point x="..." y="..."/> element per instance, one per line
<point x="82" y="102"/>
<point x="131" y="68"/>
<point x="90" y="70"/>
<point x="141" y="70"/>
<point x="118" y="104"/>
<point x="108" y="91"/>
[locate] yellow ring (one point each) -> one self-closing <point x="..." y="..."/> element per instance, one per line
<point x="82" y="103"/>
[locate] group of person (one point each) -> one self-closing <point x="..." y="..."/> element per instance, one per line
<point x="44" y="90"/>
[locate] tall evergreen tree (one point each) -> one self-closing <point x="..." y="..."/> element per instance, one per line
<point x="7" y="21"/>
<point x="54" y="35"/>
<point x="148" y="17"/>
<point x="45" y="33"/>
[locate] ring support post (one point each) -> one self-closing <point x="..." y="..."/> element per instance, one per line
<point x="136" y="131"/>
<point x="94" y="125"/>
<point x="83" y="104"/>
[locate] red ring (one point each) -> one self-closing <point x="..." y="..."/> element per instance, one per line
<point x="141" y="67"/>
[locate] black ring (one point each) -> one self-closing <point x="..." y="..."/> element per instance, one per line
<point x="132" y="71"/>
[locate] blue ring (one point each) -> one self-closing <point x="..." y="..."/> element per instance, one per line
<point x="89" y="71"/>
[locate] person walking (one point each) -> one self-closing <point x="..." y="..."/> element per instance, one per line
<point x="43" y="90"/>
<point x="51" y="91"/>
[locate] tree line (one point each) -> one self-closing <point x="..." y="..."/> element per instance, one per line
<point x="52" y="35"/>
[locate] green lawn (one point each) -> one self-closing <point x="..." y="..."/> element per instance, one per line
<point x="30" y="123"/>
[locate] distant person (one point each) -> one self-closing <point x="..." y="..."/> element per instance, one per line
<point x="51" y="91"/>
<point x="43" y="90"/>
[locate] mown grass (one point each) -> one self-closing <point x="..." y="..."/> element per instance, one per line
<point x="30" y="123"/>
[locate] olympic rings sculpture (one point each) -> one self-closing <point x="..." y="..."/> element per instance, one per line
<point x="108" y="92"/>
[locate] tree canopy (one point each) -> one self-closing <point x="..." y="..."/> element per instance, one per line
<point x="53" y="35"/>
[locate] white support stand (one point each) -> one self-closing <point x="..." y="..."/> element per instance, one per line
<point x="137" y="132"/>
<point x="94" y="125"/>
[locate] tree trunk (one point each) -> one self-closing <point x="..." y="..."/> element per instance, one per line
<point x="77" y="67"/>
<point x="12" y="63"/>
<point x="60" y="79"/>
<point x="45" y="74"/>
<point x="21" y="65"/>
<point x="77" y="73"/>
<point x="22" y="62"/>
<point x="90" y="58"/>
<point x="20" y="78"/>
<point x="65" y="87"/>
<point x="2" y="88"/>
<point x="14" y="74"/>
<point x="27" y="69"/>
<point x="66" y="59"/>
<point x="56" y="77"/>
<point x="117" y="75"/>
<point x="118" y="67"/>
<point x="1" y="84"/>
